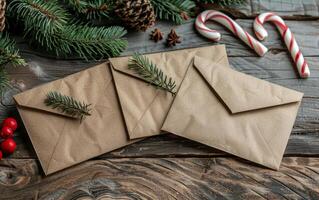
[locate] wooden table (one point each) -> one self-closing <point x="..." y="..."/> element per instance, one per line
<point x="169" y="167"/>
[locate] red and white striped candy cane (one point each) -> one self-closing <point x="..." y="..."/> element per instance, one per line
<point x="231" y="25"/>
<point x="289" y="38"/>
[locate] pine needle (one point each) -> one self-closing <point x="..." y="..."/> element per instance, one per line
<point x="172" y="9"/>
<point x="48" y="26"/>
<point x="223" y="2"/>
<point x="86" y="42"/>
<point x="8" y="54"/>
<point x="8" y="51"/>
<point x="46" y="17"/>
<point x="67" y="105"/>
<point x="92" y="9"/>
<point x="151" y="73"/>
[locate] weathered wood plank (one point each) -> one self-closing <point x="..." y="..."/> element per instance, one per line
<point x="168" y="145"/>
<point x="296" y="9"/>
<point x="165" y="178"/>
<point x="243" y="10"/>
<point x="274" y="67"/>
<point x="306" y="33"/>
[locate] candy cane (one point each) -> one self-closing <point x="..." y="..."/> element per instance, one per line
<point x="231" y="25"/>
<point x="289" y="38"/>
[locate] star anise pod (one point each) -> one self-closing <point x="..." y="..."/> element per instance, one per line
<point x="173" y="38"/>
<point x="185" y="16"/>
<point x="156" y="35"/>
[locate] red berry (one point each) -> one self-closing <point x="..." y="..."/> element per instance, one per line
<point x="10" y="122"/>
<point x="0" y="155"/>
<point x="6" y="132"/>
<point x="8" y="146"/>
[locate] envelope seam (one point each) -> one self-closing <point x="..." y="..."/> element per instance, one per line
<point x="269" y="149"/>
<point x="145" y="111"/>
<point x="58" y="141"/>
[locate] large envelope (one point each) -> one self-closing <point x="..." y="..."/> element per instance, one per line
<point x="234" y="112"/>
<point x="145" y="107"/>
<point x="61" y="141"/>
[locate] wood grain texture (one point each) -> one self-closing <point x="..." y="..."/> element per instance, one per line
<point x="162" y="178"/>
<point x="168" y="145"/>
<point x="170" y="167"/>
<point x="296" y="9"/>
<point x="306" y="33"/>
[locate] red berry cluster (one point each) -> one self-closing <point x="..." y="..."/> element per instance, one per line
<point x="8" y="145"/>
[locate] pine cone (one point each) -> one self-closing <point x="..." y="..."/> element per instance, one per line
<point x="2" y="16"/>
<point x="136" y="14"/>
<point x="156" y="35"/>
<point x="173" y="38"/>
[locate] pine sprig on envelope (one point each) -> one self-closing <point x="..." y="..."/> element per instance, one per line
<point x="151" y="73"/>
<point x="67" y="105"/>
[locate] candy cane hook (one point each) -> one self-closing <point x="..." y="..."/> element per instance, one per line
<point x="231" y="25"/>
<point x="287" y="35"/>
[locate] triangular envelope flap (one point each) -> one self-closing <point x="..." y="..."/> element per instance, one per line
<point x="241" y="92"/>
<point x="35" y="97"/>
<point x="163" y="61"/>
<point x="72" y="85"/>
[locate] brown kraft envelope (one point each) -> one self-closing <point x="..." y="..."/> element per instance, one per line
<point x="144" y="107"/>
<point x="234" y="112"/>
<point x="61" y="141"/>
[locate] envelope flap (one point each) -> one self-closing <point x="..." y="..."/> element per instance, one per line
<point x="34" y="98"/>
<point x="241" y="92"/>
<point x="172" y="63"/>
<point x="121" y="64"/>
<point x="73" y="85"/>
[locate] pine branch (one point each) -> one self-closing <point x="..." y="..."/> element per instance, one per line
<point x="8" y="54"/>
<point x="151" y="73"/>
<point x="67" y="105"/>
<point x="223" y="2"/>
<point x="8" y="51"/>
<point x="93" y="9"/>
<point x="172" y="9"/>
<point x="46" y="17"/>
<point x="85" y="42"/>
<point x="47" y="26"/>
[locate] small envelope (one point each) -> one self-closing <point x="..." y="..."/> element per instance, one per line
<point x="234" y="112"/>
<point x="61" y="141"/>
<point x="144" y="107"/>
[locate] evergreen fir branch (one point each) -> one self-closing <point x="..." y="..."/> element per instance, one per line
<point x="151" y="73"/>
<point x="172" y="9"/>
<point x="92" y="9"/>
<point x="223" y="2"/>
<point x="84" y="41"/>
<point x="46" y="16"/>
<point x="8" y="51"/>
<point x="67" y="105"/>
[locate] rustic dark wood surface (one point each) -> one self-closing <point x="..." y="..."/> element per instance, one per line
<point x="167" y="166"/>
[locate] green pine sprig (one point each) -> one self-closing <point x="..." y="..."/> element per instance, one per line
<point x="223" y="2"/>
<point x="47" y="26"/>
<point x="67" y="105"/>
<point x="8" y="55"/>
<point x="92" y="9"/>
<point x="9" y="52"/>
<point x="86" y="42"/>
<point x="172" y="9"/>
<point x="46" y="17"/>
<point x="151" y="73"/>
